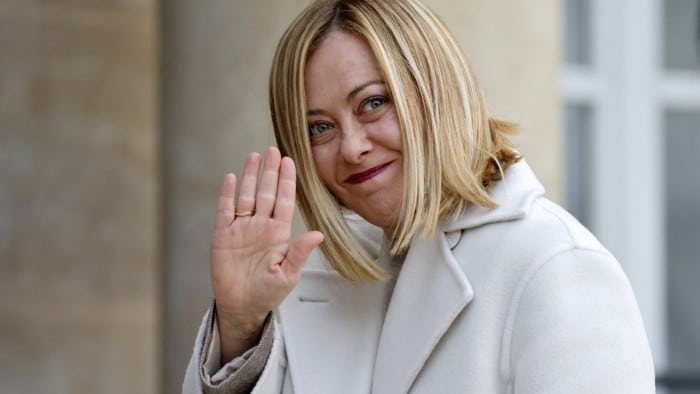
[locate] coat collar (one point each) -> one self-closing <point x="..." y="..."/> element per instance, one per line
<point x="514" y="196"/>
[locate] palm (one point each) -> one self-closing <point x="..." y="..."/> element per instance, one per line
<point x="262" y="284"/>
<point x="253" y="264"/>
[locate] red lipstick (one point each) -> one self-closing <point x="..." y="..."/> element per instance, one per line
<point x="363" y="176"/>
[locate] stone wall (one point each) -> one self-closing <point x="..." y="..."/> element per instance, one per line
<point x="79" y="254"/>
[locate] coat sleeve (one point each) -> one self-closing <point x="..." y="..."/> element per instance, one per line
<point x="271" y="374"/>
<point x="577" y="329"/>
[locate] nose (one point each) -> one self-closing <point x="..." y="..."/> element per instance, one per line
<point x="356" y="144"/>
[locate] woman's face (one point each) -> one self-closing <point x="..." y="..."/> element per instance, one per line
<point x="354" y="130"/>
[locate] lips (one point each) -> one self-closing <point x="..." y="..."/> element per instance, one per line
<point x="363" y="176"/>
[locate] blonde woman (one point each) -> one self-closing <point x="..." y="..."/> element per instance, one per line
<point x="442" y="267"/>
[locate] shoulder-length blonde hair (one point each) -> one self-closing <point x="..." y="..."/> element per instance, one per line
<point x="456" y="150"/>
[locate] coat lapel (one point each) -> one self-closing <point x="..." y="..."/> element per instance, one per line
<point x="331" y="327"/>
<point x="430" y="292"/>
<point x="331" y="330"/>
<point x="514" y="197"/>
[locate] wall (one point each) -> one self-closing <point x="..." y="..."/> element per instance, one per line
<point x="514" y="47"/>
<point x="79" y="254"/>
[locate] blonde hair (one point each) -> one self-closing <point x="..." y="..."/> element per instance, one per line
<point x="456" y="150"/>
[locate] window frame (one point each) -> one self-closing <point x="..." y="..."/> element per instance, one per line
<point x="629" y="90"/>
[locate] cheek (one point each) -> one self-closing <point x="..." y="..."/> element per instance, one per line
<point x="324" y="165"/>
<point x="392" y="134"/>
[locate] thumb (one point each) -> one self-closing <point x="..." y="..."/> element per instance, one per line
<point x="300" y="250"/>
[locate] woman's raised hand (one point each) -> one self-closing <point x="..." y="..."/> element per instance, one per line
<point x="253" y="264"/>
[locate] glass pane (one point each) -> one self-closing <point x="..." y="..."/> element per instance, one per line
<point x="682" y="34"/>
<point x="578" y="32"/>
<point x="682" y="176"/>
<point x="579" y="150"/>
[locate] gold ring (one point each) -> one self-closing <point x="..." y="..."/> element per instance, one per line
<point x="244" y="213"/>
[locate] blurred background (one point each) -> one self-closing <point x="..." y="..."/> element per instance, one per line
<point x="119" y="118"/>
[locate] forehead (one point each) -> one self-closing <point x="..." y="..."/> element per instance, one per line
<point x="340" y="63"/>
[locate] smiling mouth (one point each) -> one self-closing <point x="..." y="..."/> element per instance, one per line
<point x="363" y="176"/>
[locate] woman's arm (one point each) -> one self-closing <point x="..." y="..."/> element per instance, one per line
<point x="577" y="329"/>
<point x="254" y="265"/>
<point x="243" y="374"/>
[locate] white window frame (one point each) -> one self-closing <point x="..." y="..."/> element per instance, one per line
<point x="629" y="91"/>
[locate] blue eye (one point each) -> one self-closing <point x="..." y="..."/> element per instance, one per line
<point x="318" y="128"/>
<point x="373" y="103"/>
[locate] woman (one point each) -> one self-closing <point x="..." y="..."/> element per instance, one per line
<point x="443" y="267"/>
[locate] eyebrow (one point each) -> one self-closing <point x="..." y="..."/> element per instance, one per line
<point x="351" y="95"/>
<point x="358" y="89"/>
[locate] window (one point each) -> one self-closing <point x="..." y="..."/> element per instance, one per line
<point x="631" y="84"/>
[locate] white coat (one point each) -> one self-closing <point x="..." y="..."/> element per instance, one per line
<point x="516" y="299"/>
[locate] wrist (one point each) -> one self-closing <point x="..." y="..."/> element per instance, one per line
<point x="240" y="326"/>
<point x="239" y="333"/>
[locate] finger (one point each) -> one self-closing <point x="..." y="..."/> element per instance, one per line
<point x="299" y="252"/>
<point x="267" y="191"/>
<point x="246" y="192"/>
<point x="286" y="190"/>
<point x="224" y="211"/>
